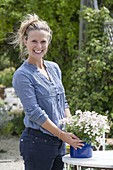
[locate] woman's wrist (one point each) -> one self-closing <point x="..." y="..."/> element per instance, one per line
<point x="62" y="135"/>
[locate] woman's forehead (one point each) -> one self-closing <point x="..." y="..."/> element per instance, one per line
<point x="38" y="33"/>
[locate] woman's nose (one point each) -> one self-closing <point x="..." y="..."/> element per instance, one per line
<point x="39" y="45"/>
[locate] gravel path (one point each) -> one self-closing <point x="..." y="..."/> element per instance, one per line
<point x="9" y="154"/>
<point x="11" y="165"/>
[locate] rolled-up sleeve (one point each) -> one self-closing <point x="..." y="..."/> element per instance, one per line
<point x="24" y="89"/>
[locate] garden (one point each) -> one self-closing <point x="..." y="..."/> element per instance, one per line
<point x="87" y="72"/>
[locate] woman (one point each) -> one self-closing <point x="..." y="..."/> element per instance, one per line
<point x="38" y="84"/>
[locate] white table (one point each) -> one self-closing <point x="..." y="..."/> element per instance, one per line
<point x="100" y="159"/>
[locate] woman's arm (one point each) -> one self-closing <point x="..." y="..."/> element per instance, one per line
<point x="69" y="138"/>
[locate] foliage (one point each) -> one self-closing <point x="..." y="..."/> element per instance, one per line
<point x="107" y="3"/>
<point x="1" y="103"/>
<point x="92" y="71"/>
<point x="88" y="126"/>
<point x="4" y="62"/>
<point x="6" y="76"/>
<point x="17" y="123"/>
<point x="63" y="18"/>
<point x="11" y="123"/>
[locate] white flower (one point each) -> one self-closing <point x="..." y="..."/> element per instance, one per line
<point x="89" y="126"/>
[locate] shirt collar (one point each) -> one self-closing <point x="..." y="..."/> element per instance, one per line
<point x="33" y="66"/>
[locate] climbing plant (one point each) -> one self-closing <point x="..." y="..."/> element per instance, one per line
<point x="92" y="71"/>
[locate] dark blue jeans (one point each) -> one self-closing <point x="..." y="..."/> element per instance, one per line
<point x="41" y="151"/>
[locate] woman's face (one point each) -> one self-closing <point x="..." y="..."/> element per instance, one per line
<point x="37" y="44"/>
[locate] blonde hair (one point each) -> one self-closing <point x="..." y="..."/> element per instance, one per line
<point x="29" y="22"/>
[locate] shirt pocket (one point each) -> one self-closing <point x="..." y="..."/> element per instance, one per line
<point x="44" y="91"/>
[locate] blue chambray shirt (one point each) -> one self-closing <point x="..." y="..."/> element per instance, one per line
<point x="41" y="98"/>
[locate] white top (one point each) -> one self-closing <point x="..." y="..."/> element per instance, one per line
<point x="100" y="159"/>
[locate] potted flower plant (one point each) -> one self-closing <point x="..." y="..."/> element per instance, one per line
<point x="88" y="126"/>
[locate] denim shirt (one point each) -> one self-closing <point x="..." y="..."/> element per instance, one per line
<point x="41" y="98"/>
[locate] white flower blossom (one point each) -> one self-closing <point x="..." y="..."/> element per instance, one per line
<point x="87" y="125"/>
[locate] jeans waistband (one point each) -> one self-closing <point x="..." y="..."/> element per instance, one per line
<point x="40" y="133"/>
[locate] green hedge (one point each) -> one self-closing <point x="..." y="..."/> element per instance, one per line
<point x="6" y="76"/>
<point x="92" y="71"/>
<point x="11" y="123"/>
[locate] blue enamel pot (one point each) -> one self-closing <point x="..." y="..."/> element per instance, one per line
<point x="84" y="152"/>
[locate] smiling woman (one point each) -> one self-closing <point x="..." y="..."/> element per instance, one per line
<point x="38" y="84"/>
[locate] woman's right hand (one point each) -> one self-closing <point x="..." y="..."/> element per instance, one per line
<point x="71" y="139"/>
<point x="67" y="137"/>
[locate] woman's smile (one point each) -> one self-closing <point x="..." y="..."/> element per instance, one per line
<point x="38" y="52"/>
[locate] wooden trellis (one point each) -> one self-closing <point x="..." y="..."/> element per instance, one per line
<point x="89" y="3"/>
<point x="108" y="28"/>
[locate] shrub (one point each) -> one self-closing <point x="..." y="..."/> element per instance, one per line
<point x="92" y="71"/>
<point x="13" y="124"/>
<point x="6" y="76"/>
